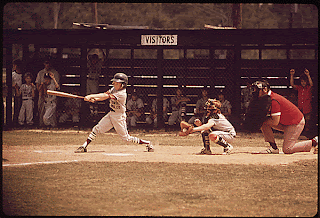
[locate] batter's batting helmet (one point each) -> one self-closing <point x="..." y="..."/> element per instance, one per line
<point x="121" y="78"/>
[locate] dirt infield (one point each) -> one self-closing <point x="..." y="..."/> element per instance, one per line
<point x="42" y="176"/>
<point x="241" y="154"/>
<point x="20" y="155"/>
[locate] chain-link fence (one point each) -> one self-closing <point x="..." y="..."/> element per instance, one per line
<point x="220" y="68"/>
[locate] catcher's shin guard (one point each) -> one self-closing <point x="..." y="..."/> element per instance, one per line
<point x="205" y="139"/>
<point x="221" y="141"/>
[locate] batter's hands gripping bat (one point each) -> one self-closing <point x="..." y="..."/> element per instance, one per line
<point x="63" y="94"/>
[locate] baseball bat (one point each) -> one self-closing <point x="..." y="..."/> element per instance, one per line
<point x="63" y="94"/>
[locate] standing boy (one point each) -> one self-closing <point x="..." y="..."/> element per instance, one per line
<point x="116" y="118"/>
<point x="27" y="92"/>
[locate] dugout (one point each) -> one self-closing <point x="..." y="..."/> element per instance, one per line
<point x="157" y="61"/>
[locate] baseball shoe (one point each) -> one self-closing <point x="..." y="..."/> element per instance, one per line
<point x="205" y="151"/>
<point x="228" y="149"/>
<point x="270" y="151"/>
<point x="315" y="139"/>
<point x="150" y="147"/>
<point x="81" y="149"/>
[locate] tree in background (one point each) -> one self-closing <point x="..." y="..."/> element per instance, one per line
<point x="156" y="15"/>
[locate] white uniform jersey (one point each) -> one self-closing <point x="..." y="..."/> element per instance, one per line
<point x="26" y="91"/>
<point x="118" y="104"/>
<point x="222" y="124"/>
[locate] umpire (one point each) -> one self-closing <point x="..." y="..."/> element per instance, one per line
<point x="286" y="117"/>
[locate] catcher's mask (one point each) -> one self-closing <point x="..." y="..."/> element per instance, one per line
<point x="121" y="78"/>
<point x="258" y="85"/>
<point x="212" y="105"/>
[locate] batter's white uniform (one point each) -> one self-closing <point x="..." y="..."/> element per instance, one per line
<point x="222" y="127"/>
<point x="116" y="117"/>
<point x="26" y="111"/>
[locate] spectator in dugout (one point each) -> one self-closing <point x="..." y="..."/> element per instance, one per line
<point x="26" y="91"/>
<point x="135" y="110"/>
<point x="152" y="118"/>
<point x="94" y="65"/>
<point x="178" y="107"/>
<point x="72" y="109"/>
<point x="17" y="71"/>
<point x="200" y="111"/>
<point x="40" y="80"/>
<point x="304" y="94"/>
<point x="225" y="105"/>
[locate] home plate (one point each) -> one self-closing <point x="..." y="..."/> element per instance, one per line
<point x="47" y="151"/>
<point x="117" y="154"/>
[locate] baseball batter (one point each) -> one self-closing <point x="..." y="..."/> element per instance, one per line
<point x="116" y="118"/>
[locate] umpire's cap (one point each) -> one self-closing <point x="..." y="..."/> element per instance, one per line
<point x="121" y="78"/>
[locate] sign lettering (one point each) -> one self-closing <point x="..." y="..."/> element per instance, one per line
<point x="159" y="39"/>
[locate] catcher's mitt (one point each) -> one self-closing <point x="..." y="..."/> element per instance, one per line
<point x="258" y="112"/>
<point x="186" y="128"/>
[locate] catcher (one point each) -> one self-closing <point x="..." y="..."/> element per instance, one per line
<point x="216" y="128"/>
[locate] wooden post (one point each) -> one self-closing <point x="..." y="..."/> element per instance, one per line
<point x="83" y="82"/>
<point x="237" y="78"/>
<point x="160" y="121"/>
<point x="9" y="86"/>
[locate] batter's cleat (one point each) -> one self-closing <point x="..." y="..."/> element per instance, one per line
<point x="149" y="147"/>
<point x="205" y="151"/>
<point x="228" y="149"/>
<point x="270" y="151"/>
<point x="81" y="149"/>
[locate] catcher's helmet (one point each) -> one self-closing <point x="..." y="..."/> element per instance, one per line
<point x="121" y="78"/>
<point x="212" y="104"/>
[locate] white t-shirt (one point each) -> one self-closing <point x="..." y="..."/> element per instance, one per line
<point x="16" y="79"/>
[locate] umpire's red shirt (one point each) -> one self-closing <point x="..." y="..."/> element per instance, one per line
<point x="289" y="113"/>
